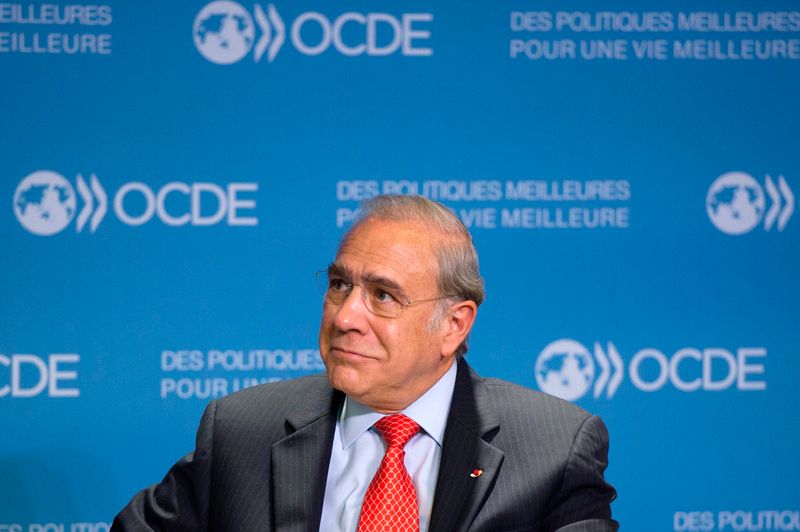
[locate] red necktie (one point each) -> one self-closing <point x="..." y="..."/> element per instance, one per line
<point x="390" y="504"/>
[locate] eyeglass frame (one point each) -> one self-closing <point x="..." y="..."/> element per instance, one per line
<point x="381" y="283"/>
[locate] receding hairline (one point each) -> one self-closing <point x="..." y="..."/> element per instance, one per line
<point x="441" y="234"/>
<point x="430" y="216"/>
<point x="440" y="239"/>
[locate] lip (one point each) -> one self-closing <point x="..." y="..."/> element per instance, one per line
<point x="342" y="352"/>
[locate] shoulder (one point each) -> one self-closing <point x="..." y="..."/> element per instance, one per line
<point x="511" y="399"/>
<point x="279" y="394"/>
<point x="269" y="405"/>
<point x="538" y="418"/>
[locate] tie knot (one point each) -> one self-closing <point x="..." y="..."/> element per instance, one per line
<point x="396" y="429"/>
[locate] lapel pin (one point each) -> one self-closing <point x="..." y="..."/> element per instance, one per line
<point x="476" y="473"/>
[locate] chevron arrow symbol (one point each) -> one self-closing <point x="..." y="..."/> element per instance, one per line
<point x="602" y="361"/>
<point x="619" y="370"/>
<point x="88" y="203"/>
<point x="611" y="370"/>
<point x="266" y="33"/>
<point x="273" y="32"/>
<point x="774" y="209"/>
<point x="788" y="206"/>
<point x="102" y="203"/>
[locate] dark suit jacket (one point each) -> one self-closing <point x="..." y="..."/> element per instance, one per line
<point x="262" y="458"/>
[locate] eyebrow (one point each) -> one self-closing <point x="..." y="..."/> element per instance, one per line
<point x="341" y="270"/>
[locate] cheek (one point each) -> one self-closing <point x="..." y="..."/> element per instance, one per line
<point x="323" y="338"/>
<point x="390" y="335"/>
<point x="404" y="342"/>
<point x="326" y="321"/>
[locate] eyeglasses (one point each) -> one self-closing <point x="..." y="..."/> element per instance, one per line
<point x="379" y="298"/>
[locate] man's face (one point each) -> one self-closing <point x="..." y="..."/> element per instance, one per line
<point x="385" y="363"/>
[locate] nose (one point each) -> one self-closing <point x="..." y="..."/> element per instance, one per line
<point x="352" y="314"/>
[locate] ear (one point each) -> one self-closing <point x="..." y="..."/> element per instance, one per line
<point x="457" y="324"/>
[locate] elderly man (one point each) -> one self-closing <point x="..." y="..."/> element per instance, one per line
<point x="401" y="434"/>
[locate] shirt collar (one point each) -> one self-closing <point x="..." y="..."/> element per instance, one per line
<point x="429" y="412"/>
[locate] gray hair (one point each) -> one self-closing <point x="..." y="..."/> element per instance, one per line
<point x="458" y="278"/>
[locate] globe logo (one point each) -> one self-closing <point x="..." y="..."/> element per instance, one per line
<point x="565" y="369"/>
<point x="223" y="32"/>
<point x="44" y="203"/>
<point x="735" y="203"/>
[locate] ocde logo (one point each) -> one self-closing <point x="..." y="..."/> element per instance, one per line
<point x="224" y="33"/>
<point x="566" y="369"/>
<point x="32" y="375"/>
<point x="45" y="203"/>
<point x="735" y="203"/>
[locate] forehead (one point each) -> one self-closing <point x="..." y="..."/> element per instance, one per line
<point x="396" y="249"/>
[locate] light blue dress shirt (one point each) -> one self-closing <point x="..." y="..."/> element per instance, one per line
<point x="358" y="450"/>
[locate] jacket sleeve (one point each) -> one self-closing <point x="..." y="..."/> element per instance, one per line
<point x="180" y="501"/>
<point x="583" y="500"/>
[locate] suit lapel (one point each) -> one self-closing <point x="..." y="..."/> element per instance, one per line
<point x="300" y="461"/>
<point x="459" y="495"/>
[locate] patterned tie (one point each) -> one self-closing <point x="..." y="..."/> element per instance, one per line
<point x="390" y="504"/>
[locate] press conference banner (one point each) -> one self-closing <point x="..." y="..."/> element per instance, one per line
<point x="175" y="174"/>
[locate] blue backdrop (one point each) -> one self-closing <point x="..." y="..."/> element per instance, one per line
<point x="174" y="175"/>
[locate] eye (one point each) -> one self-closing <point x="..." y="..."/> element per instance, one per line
<point x="383" y="297"/>
<point x="338" y="285"/>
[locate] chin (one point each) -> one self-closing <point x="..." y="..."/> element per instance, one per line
<point x="344" y="378"/>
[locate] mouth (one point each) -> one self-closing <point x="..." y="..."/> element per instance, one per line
<point x="349" y="354"/>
